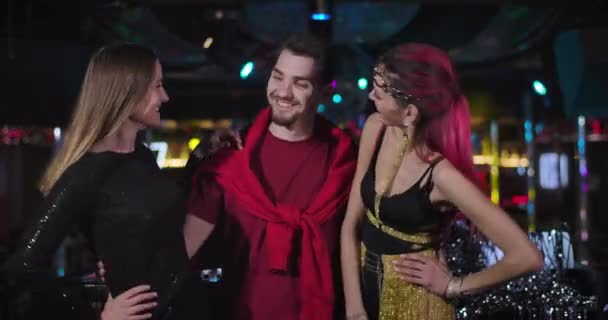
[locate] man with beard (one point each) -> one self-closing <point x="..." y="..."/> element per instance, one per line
<point x="275" y="206"/>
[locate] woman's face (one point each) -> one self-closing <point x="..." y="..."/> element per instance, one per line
<point x="147" y="112"/>
<point x="386" y="104"/>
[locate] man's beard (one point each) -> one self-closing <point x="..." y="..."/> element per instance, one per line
<point x="284" y="121"/>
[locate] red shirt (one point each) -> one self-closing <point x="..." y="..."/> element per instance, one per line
<point x="291" y="173"/>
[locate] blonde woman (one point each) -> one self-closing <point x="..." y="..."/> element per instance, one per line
<point x="106" y="181"/>
<point x="415" y="155"/>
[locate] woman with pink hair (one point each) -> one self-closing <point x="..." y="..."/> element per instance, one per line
<point x="414" y="172"/>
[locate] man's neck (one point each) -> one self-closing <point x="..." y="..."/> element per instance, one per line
<point x="298" y="131"/>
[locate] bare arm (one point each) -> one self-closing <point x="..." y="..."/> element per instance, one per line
<point x="521" y="256"/>
<point x="349" y="243"/>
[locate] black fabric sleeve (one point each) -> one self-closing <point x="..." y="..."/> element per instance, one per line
<point x="69" y="198"/>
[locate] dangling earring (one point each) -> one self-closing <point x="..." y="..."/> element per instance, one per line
<point x="405" y="126"/>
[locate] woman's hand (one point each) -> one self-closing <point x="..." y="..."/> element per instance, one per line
<point x="134" y="304"/>
<point x="424" y="271"/>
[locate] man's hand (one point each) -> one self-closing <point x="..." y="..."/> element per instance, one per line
<point x="225" y="138"/>
<point x="219" y="139"/>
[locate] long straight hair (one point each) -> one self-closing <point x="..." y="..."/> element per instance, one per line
<point x="116" y="80"/>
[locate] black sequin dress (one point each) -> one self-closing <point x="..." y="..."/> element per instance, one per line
<point x="134" y="216"/>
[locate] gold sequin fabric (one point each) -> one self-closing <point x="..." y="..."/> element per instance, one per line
<point x="399" y="300"/>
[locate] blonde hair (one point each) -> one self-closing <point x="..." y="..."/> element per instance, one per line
<point x="116" y="80"/>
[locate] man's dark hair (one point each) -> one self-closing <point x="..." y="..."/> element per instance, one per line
<point x="308" y="45"/>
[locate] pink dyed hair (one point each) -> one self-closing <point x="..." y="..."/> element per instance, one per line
<point x="444" y="122"/>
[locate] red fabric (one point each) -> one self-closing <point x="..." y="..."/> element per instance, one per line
<point x="234" y="171"/>
<point x="293" y="173"/>
<point x="206" y="200"/>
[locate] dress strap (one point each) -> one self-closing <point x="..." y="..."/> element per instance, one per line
<point x="428" y="186"/>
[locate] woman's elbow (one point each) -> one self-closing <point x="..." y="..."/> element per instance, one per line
<point x="536" y="262"/>
<point x="348" y="241"/>
<point x="348" y="230"/>
<point x="530" y="260"/>
<point x="524" y="261"/>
